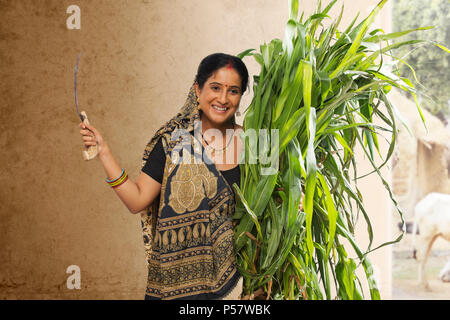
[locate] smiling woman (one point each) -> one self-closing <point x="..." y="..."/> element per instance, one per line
<point x="220" y="82"/>
<point x="188" y="207"/>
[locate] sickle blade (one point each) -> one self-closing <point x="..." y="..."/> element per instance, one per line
<point x="75" y="86"/>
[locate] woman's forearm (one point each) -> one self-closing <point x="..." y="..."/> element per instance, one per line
<point x="128" y="192"/>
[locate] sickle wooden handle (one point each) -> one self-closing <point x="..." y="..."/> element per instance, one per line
<point x="91" y="151"/>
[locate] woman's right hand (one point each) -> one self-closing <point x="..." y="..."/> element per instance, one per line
<point x="135" y="195"/>
<point x="92" y="137"/>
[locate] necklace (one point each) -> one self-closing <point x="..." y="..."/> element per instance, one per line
<point x="212" y="149"/>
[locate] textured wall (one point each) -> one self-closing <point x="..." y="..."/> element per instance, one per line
<point x="139" y="59"/>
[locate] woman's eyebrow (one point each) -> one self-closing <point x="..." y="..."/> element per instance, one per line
<point x="232" y="86"/>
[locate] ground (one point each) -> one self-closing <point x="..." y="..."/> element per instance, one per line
<point x="405" y="270"/>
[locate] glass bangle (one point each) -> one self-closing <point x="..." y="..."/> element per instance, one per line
<point x="119" y="181"/>
<point x="122" y="181"/>
<point x="110" y="181"/>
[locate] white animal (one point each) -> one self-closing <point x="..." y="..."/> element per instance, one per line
<point x="444" y="275"/>
<point x="432" y="215"/>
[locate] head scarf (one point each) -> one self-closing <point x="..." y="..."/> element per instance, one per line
<point x="187" y="230"/>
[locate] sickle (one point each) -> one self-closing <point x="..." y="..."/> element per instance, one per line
<point x="91" y="151"/>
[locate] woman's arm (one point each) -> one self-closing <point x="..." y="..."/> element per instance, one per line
<point x="135" y="195"/>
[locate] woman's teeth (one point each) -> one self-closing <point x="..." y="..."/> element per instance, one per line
<point x="219" y="108"/>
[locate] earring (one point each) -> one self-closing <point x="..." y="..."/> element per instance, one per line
<point x="238" y="113"/>
<point x="198" y="106"/>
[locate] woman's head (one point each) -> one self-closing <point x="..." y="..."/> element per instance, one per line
<point x="220" y="82"/>
<point x="214" y="62"/>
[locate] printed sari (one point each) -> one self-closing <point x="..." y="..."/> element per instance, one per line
<point x="188" y="232"/>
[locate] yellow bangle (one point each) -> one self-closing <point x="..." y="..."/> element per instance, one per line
<point x="118" y="181"/>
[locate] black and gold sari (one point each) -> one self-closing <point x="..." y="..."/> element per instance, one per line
<point x="188" y="231"/>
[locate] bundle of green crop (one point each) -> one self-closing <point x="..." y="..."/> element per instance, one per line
<point x="320" y="92"/>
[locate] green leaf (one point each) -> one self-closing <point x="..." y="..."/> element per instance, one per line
<point x="394" y="35"/>
<point x="288" y="37"/>
<point x="263" y="191"/>
<point x="359" y="37"/>
<point x="250" y="212"/>
<point x="293" y="9"/>
<point x="311" y="169"/>
<point x="332" y="213"/>
<point x="245" y="53"/>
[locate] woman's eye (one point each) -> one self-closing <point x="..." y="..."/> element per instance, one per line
<point x="235" y="91"/>
<point x="215" y="88"/>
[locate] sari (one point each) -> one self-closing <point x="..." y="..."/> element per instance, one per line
<point x="188" y="231"/>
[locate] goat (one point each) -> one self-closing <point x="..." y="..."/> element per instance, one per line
<point x="432" y="213"/>
<point x="444" y="275"/>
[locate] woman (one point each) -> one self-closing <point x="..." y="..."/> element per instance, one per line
<point x="185" y="187"/>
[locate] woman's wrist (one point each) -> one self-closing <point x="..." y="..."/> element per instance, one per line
<point x="112" y="168"/>
<point x="104" y="152"/>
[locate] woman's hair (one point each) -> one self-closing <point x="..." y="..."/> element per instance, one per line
<point x="214" y="62"/>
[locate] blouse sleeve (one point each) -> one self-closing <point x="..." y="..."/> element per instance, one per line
<point x="154" y="167"/>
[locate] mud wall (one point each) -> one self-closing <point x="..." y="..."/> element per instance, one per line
<point x="138" y="60"/>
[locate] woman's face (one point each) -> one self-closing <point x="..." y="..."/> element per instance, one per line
<point x="220" y="95"/>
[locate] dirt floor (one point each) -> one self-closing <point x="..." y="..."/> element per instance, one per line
<point x="405" y="270"/>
